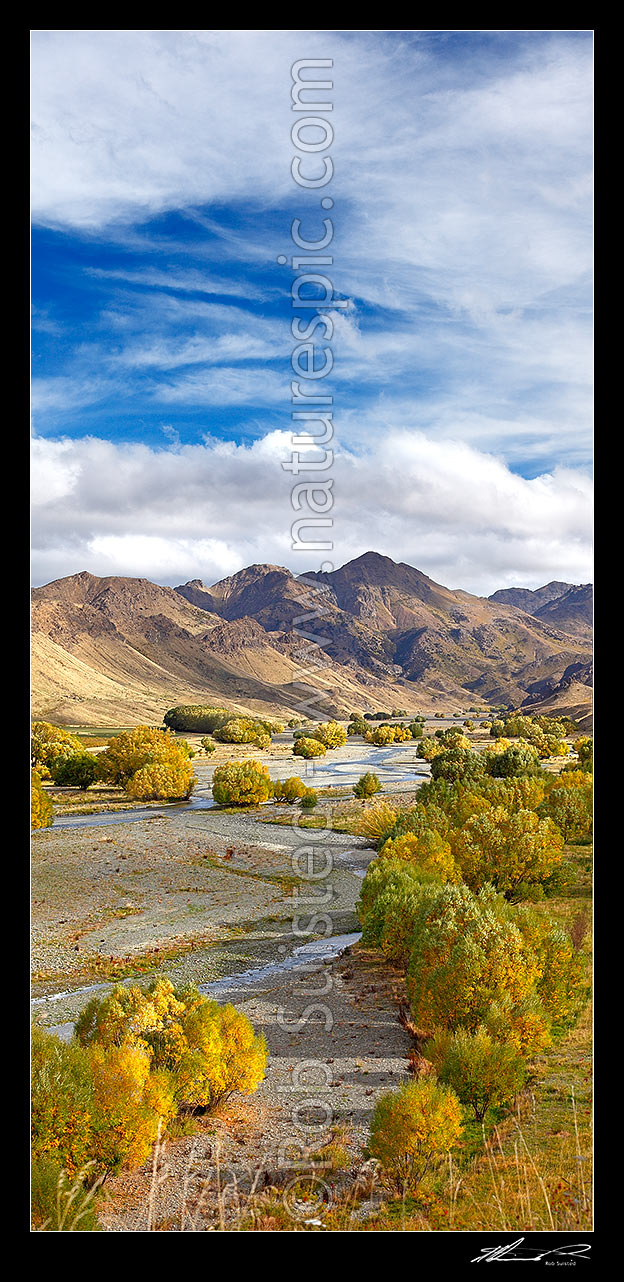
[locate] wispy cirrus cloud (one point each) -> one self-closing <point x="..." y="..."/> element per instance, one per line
<point x="162" y="197"/>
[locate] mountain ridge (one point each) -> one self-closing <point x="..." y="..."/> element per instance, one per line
<point x="374" y="633"/>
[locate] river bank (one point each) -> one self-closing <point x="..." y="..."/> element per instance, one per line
<point x="224" y="1173"/>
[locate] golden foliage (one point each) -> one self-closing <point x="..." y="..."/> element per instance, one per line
<point x="376" y="821"/>
<point x="411" y="1128"/>
<point x="427" y="850"/>
<point x="241" y="783"/>
<point x="41" y="809"/>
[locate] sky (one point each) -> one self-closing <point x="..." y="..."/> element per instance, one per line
<point x="162" y="199"/>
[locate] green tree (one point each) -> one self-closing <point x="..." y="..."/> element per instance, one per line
<point x="78" y="771"/>
<point x="481" y="1071"/>
<point x="367" y="785"/>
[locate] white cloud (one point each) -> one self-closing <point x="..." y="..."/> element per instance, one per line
<point x="207" y="510"/>
<point x="462" y="195"/>
<point x="482" y="179"/>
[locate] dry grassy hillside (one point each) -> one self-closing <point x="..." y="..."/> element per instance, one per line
<point x="373" y="634"/>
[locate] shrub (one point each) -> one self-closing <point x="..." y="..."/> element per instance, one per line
<point x="391" y="923"/>
<point x="130" y="1102"/>
<point x="411" y="1128"/>
<point x="197" y="718"/>
<point x="309" y="799"/>
<point x="456" y="763"/>
<point x="208" y="744"/>
<point x="242" y="783"/>
<point x="427" y="850"/>
<point x="63" y="1102"/>
<point x="367" y="785"/>
<point x="77" y="771"/>
<point x="308" y="747"/>
<point x="524" y="1025"/>
<point x="95" y="1104"/>
<point x="143" y="746"/>
<point x="290" y="790"/>
<point x="508" y="850"/>
<point x="579" y="927"/>
<point x="560" y="985"/>
<point x="203" y="1050"/>
<point x="465" y="954"/>
<point x="481" y="1071"/>
<point x="60" y="1205"/>
<point x="330" y="733"/>
<point x="453" y="737"/>
<point x="516" y="792"/>
<point x="518" y="759"/>
<point x="388" y="905"/>
<point x="385" y="735"/>
<point x="244" y="730"/>
<point x="162" y="782"/>
<point x="428" y="748"/>
<point x="41" y="809"/>
<point x="376" y="822"/>
<point x="50" y="743"/>
<point x="357" y="727"/>
<point x="584" y="748"/>
<point x="568" y="803"/>
<point x="381" y="875"/>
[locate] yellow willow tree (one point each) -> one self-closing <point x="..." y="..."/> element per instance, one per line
<point x="509" y="850"/>
<point x="465" y="954"/>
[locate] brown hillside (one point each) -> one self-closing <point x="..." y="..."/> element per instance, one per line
<point x="371" y="634"/>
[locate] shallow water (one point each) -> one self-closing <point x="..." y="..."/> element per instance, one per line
<point x="393" y="764"/>
<point x="315" y="952"/>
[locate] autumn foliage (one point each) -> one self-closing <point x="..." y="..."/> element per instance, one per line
<point x="49" y="744"/>
<point x="411" y="1128"/>
<point x="308" y="747"/>
<point x="100" y="1101"/>
<point x="149" y="764"/>
<point x="242" y="783"/>
<point x="41" y="810"/>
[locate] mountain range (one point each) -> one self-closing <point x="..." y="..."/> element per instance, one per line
<point x="372" y="634"/>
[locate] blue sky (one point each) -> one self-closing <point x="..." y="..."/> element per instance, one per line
<point x="162" y="198"/>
